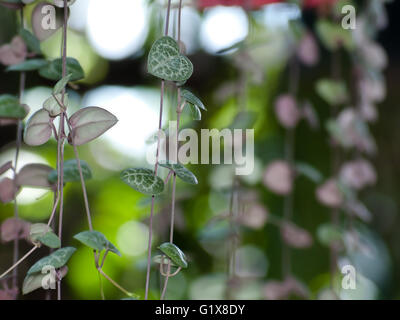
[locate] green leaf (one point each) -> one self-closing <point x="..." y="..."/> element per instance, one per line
<point x="336" y="132"/>
<point x="89" y="123"/>
<point x="51" y="104"/>
<point x="35" y="281"/>
<point x="11" y="108"/>
<point x="166" y="62"/>
<point x="60" y="85"/>
<point x="183" y="173"/>
<point x="38" y="230"/>
<point x="332" y="91"/>
<point x="50" y="239"/>
<point x="31" y="41"/>
<point x="191" y="98"/>
<point x="71" y="172"/>
<point x="96" y="240"/>
<point x="41" y="233"/>
<point x="174" y="253"/>
<point x="195" y="111"/>
<point x="310" y="172"/>
<point x="333" y="36"/>
<point x="143" y="180"/>
<point x="38" y="128"/>
<point x="53" y="71"/>
<point x="57" y="259"/>
<point x="328" y="233"/>
<point x="28" y="65"/>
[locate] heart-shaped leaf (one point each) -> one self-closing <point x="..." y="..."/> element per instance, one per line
<point x="332" y="91"/>
<point x="36" y="281"/>
<point x="11" y="108"/>
<point x="28" y="65"/>
<point x="143" y="180"/>
<point x="60" y="85"/>
<point x="96" y="240"/>
<point x="51" y="104"/>
<point x="333" y="36"/>
<point x="166" y="62"/>
<point x="57" y="259"/>
<point x="31" y="41"/>
<point x="53" y="71"/>
<point x="14" y="228"/>
<point x="183" y="173"/>
<point x="191" y="98"/>
<point x="174" y="253"/>
<point x="295" y="236"/>
<point x="328" y="233"/>
<point x="41" y="233"/>
<point x="71" y="172"/>
<point x="89" y="123"/>
<point x="7" y="190"/>
<point x="34" y="175"/>
<point x="38" y="230"/>
<point x="38" y="129"/>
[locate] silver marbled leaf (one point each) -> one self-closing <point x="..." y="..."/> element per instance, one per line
<point x="166" y="62"/>
<point x="143" y="180"/>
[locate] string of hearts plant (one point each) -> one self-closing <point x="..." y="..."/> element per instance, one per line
<point x="349" y="130"/>
<point x="84" y="125"/>
<point x="280" y="175"/>
<point x="167" y="62"/>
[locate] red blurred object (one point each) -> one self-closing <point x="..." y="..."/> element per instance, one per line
<point x="251" y="4"/>
<point x="318" y="3"/>
<point x="256" y="4"/>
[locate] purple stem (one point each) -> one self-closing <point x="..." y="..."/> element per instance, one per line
<point x="146" y="296"/>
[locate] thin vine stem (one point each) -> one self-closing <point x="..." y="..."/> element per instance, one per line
<point x="14" y="266"/>
<point x="290" y="143"/>
<point x="61" y="137"/>
<point x="335" y="162"/>
<point x="156" y="168"/>
<point x="22" y="80"/>
<point x="178" y="118"/>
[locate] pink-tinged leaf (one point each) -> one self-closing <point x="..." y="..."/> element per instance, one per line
<point x="13" y="53"/>
<point x="329" y="194"/>
<point x="254" y="216"/>
<point x="358" y="174"/>
<point x="7" y="190"/>
<point x="9" y="294"/>
<point x="297" y="288"/>
<point x="5" y="167"/>
<point x="278" y="177"/>
<point x="287" y="111"/>
<point x="38" y="129"/>
<point x="295" y="237"/>
<point x="276" y="290"/>
<point x="37" y="18"/>
<point x="89" y="123"/>
<point x="13" y="229"/>
<point x="34" y="175"/>
<point x="307" y="50"/>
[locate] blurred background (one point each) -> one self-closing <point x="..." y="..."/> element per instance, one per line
<point x="239" y="87"/>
